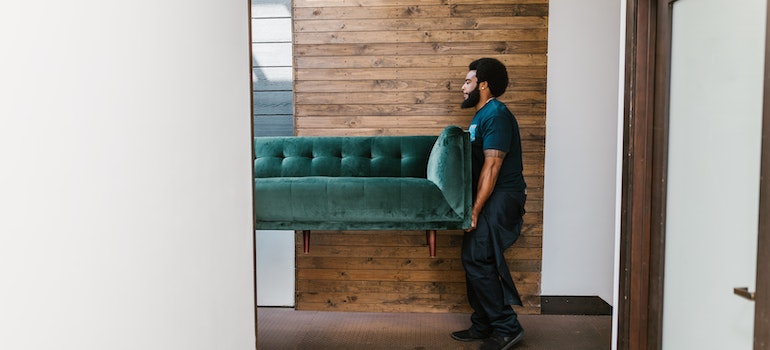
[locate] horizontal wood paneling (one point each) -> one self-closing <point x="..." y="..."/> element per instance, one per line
<point x="396" y="67"/>
<point x="406" y="110"/>
<point x="420" y="85"/>
<point x="459" y="61"/>
<point x="397" y="97"/>
<point x="413" y="36"/>
<point x="345" y="272"/>
<point x="498" y="47"/>
<point x="382" y="73"/>
<point x="366" y="25"/>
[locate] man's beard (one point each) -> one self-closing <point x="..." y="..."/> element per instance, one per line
<point x="473" y="99"/>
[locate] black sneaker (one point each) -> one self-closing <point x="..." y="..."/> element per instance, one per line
<point x="468" y="335"/>
<point x="497" y="342"/>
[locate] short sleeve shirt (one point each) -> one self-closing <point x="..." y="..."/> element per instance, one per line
<point x="495" y="127"/>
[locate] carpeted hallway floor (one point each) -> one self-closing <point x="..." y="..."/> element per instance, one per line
<point x="288" y="329"/>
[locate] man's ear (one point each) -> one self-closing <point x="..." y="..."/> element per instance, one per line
<point x="483" y="85"/>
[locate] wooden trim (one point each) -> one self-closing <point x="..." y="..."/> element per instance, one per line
<point x="645" y="167"/>
<point x="762" y="293"/>
<point x="637" y="175"/>
<point x="664" y="19"/>
<point x="574" y="305"/>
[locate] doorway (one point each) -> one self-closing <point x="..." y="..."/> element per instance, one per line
<point x="662" y="214"/>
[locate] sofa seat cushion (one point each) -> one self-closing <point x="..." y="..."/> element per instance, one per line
<point x="337" y="203"/>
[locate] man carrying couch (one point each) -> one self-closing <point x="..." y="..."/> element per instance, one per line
<point x="499" y="195"/>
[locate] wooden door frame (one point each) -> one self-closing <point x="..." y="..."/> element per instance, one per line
<point x="645" y="164"/>
<point x="642" y="215"/>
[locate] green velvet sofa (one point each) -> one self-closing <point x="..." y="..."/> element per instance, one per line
<point x="363" y="183"/>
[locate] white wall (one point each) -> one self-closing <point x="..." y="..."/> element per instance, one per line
<point x="125" y="206"/>
<point x="581" y="148"/>
<point x="275" y="268"/>
<point x="715" y="141"/>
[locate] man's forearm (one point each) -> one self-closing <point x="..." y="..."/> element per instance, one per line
<point x="487" y="181"/>
<point x="493" y="160"/>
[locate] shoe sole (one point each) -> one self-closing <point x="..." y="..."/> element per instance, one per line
<point x="466" y="339"/>
<point x="514" y="341"/>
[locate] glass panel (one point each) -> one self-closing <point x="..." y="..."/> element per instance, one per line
<point x="273" y="116"/>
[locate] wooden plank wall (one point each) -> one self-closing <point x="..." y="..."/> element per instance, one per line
<point x="396" y="67"/>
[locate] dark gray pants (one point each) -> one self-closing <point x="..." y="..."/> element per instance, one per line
<point x="490" y="288"/>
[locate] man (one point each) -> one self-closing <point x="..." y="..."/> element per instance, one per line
<point x="499" y="194"/>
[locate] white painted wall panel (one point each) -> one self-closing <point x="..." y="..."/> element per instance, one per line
<point x="125" y="214"/>
<point x="271" y="29"/>
<point x="272" y="54"/>
<point x="275" y="268"/>
<point x="270" y="8"/>
<point x="272" y="78"/>
<point x="581" y="148"/>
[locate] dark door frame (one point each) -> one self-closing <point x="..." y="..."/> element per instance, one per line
<point x="645" y="135"/>
<point x="762" y="294"/>
<point x="641" y="244"/>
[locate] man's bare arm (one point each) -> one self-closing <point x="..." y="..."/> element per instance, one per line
<point x="493" y="160"/>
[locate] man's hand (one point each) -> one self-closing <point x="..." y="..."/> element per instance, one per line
<point x="474" y="217"/>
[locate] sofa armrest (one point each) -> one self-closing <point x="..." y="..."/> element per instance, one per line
<point x="449" y="167"/>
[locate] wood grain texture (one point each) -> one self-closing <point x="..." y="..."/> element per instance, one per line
<point x="396" y="67"/>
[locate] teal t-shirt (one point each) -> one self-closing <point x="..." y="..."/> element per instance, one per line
<point x="495" y="127"/>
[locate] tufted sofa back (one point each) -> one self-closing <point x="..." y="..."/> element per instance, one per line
<point x="350" y="156"/>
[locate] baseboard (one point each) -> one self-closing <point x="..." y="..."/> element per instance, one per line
<point x="574" y="305"/>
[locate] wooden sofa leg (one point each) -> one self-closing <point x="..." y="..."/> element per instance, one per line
<point x="306" y="241"/>
<point x="431" y="235"/>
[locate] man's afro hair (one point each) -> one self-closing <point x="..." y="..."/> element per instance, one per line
<point x="493" y="72"/>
